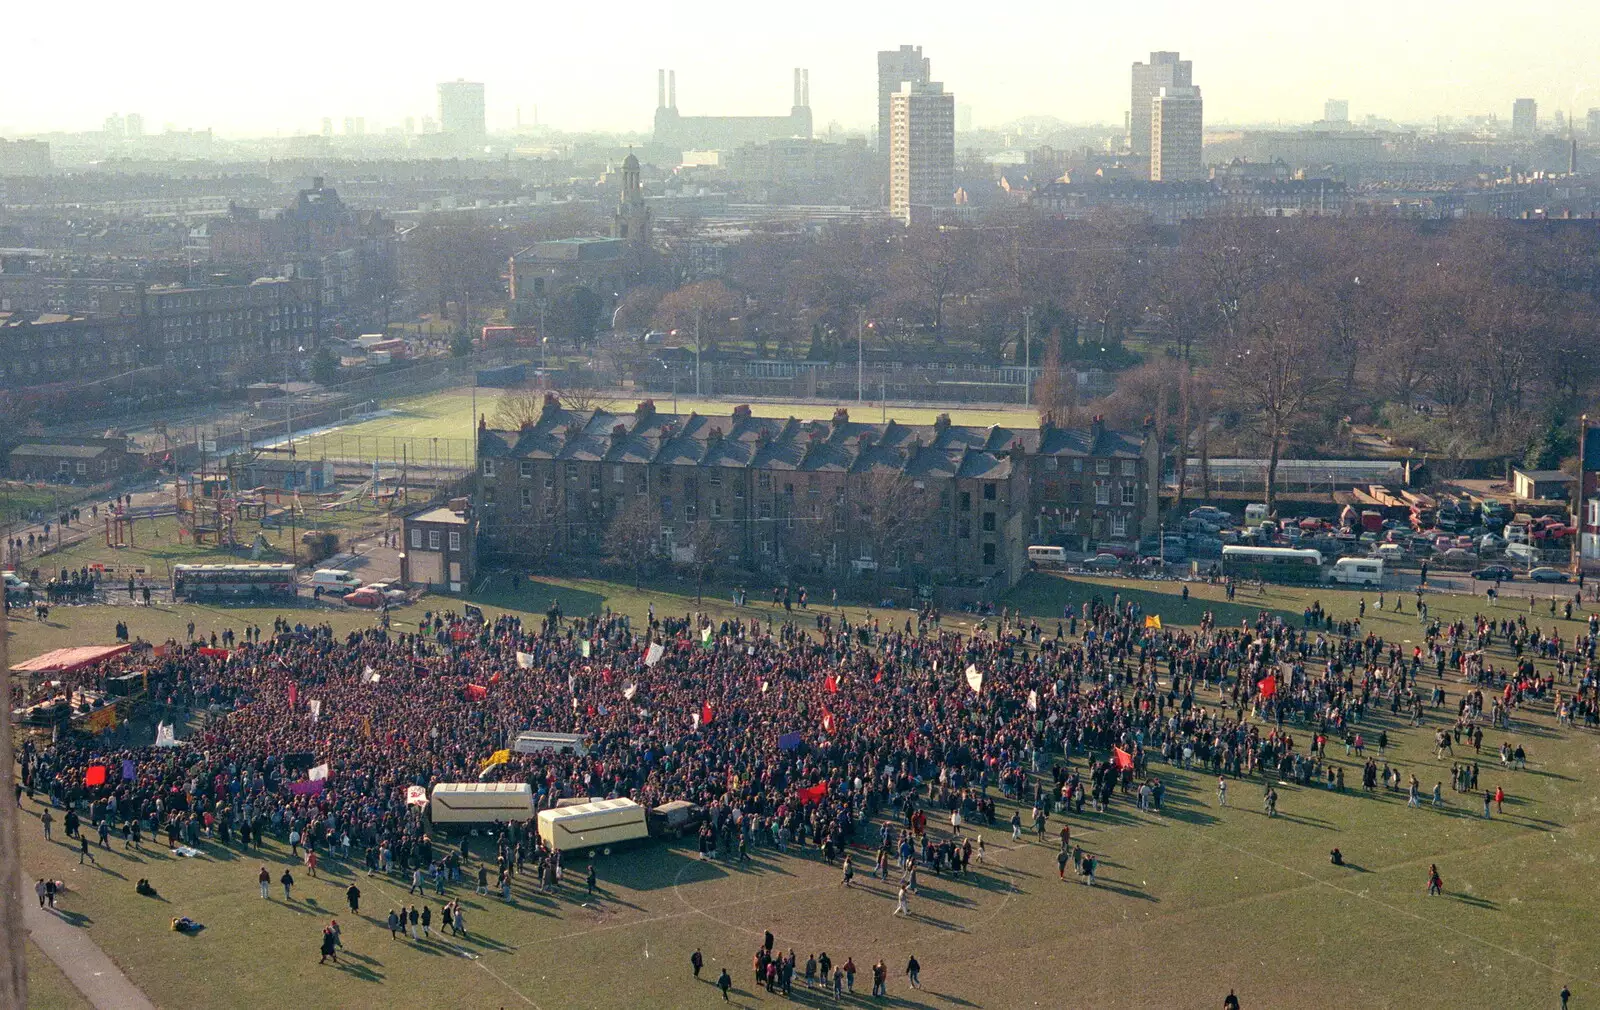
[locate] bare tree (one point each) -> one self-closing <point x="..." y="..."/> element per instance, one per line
<point x="517" y="408"/>
<point x="1276" y="373"/>
<point x="892" y="517"/>
<point x="634" y="535"/>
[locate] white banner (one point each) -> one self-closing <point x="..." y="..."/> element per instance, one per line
<point x="653" y="654"/>
<point x="316" y="710"/>
<point x="974" y="678"/>
<point x="416" y="796"/>
<point x="524" y="660"/>
<point x="165" y="736"/>
<point x="319" y="773"/>
<point x="1033" y="701"/>
<point x="584" y="648"/>
<point x="629" y="690"/>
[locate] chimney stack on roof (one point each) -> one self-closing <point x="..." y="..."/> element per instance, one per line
<point x="941" y="422"/>
<point x="741" y="412"/>
<point x="841" y="416"/>
<point x="645" y="409"/>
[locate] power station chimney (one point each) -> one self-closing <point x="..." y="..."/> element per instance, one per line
<point x="805" y="88"/>
<point x="799" y="98"/>
<point x="672" y="90"/>
<point x="661" y="89"/>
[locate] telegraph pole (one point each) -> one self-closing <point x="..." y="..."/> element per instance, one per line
<point x="14" y="971"/>
<point x="1027" y="356"/>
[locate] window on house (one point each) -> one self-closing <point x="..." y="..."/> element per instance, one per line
<point x="525" y="468"/>
<point x="716" y="508"/>
<point x="988" y="554"/>
<point x="433" y="540"/>
<point x="1077" y="466"/>
<point x="964" y="529"/>
<point x="691" y="511"/>
<point x="666" y="508"/>
<point x="617" y="473"/>
<point x="988" y="522"/>
<point x="455" y="540"/>
<point x="488" y="496"/>
<point x="1102" y="466"/>
<point x="488" y="468"/>
<point x="1594" y="512"/>
<point x="1102" y="492"/>
<point x="715" y="478"/>
<point x="594" y="480"/>
<point x="641" y="485"/>
<point x="1130" y="468"/>
<point x="1130" y="494"/>
<point x="572" y="471"/>
<point x="527" y="497"/>
<point x="965" y="500"/>
<point x="1051" y="464"/>
<point x="766" y="510"/>
<point x="549" y="481"/>
<point x="988" y="491"/>
<point x="764" y="481"/>
<point x="1119" y="526"/>
<point x="944" y="500"/>
<point x="416" y="538"/>
<point x="83" y="468"/>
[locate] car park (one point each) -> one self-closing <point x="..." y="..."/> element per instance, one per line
<point x="1548" y="575"/>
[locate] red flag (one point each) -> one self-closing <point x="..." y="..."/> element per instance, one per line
<point x="877" y="678"/>
<point x="94" y="775"/>
<point x="1121" y="758"/>
<point x="294" y="695"/>
<point x="706" y="715"/>
<point x="1268" y="685"/>
<point x="827" y="722"/>
<point x="495" y="679"/>
<point x="831" y="684"/>
<point x="477" y="692"/>
<point x="814" y="794"/>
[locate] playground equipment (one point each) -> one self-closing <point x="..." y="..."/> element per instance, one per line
<point x="119" y="529"/>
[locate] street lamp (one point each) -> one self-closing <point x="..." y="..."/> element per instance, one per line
<point x="1027" y="356"/>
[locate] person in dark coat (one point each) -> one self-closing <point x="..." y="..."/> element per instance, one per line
<point x="328" y="948"/>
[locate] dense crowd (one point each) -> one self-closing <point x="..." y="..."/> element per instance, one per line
<point x="786" y="732"/>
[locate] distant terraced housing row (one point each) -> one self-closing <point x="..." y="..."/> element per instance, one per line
<point x="833" y="499"/>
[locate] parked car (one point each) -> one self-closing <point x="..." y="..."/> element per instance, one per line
<point x="1212" y="514"/>
<point x="391" y="593"/>
<point x="1548" y="575"/>
<point x="1494" y="573"/>
<point x="366" y="596"/>
<point x="1115" y="548"/>
<point x="1103" y="562"/>
<point x="1455" y="557"/>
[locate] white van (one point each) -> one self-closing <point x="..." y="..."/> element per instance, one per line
<point x="1255" y="514"/>
<point x="1045" y="556"/>
<point x="334" y="581"/>
<point x="1358" y="571"/>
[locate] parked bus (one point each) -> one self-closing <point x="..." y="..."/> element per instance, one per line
<point x="1272" y="564"/>
<point x="202" y="582"/>
<point x="604" y="823"/>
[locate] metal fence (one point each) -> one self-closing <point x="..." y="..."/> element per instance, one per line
<point x="1292" y="474"/>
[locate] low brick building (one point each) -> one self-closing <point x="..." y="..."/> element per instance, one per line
<point x="77" y="460"/>
<point x="438" y="548"/>
<point x="829" y="499"/>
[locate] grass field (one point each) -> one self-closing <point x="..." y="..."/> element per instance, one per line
<point x="449" y="414"/>
<point x="1194" y="900"/>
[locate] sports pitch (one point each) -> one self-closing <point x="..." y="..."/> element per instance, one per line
<point x="1191" y="901"/>
<point x="449" y="414"/>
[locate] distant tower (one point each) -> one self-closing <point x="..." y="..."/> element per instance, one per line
<point x="1177" y="136"/>
<point x="1165" y="70"/>
<point x="895" y="68"/>
<point x="461" y="111"/>
<point x="1524" y="117"/>
<point x="922" y="149"/>
<point x="1572" y="155"/>
<point x="632" y="218"/>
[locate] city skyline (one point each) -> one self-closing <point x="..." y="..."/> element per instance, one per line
<point x="1071" y="66"/>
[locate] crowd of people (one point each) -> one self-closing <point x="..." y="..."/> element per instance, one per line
<point x="787" y="734"/>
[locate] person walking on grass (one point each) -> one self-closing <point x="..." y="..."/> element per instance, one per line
<point x="45" y="820"/>
<point x="84" y="853"/>
<point x="724" y="983"/>
<point x="352" y="894"/>
<point x="1435" y="882"/>
<point x="328" y="947"/>
<point x="697" y="961"/>
<point x="904" y="905"/>
<point x="264" y="878"/>
<point x="287" y="880"/>
<point x="913" y="971"/>
<point x="393" y="923"/>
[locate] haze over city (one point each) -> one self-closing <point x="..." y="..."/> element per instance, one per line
<point x="244" y="71"/>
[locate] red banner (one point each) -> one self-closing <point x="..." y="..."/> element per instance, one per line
<point x="706" y="715"/>
<point x="95" y="775"/>
<point x="477" y="692"/>
<point x="1268" y="686"/>
<point x="831" y="684"/>
<point x="814" y="794"/>
<point x="1121" y="758"/>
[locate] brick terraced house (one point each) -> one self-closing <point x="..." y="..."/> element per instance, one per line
<point x="825" y="499"/>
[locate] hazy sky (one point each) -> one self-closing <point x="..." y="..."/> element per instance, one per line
<point x="255" y="69"/>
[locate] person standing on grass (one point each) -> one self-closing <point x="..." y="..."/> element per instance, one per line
<point x="411" y="920"/>
<point x="904" y="905"/>
<point x="880" y="979"/>
<point x="1435" y="882"/>
<point x="724" y="983"/>
<point x="1566" y="994"/>
<point x="328" y="947"/>
<point x="1222" y="791"/>
<point x="45" y="820"/>
<point x="287" y="880"/>
<point x="394" y="924"/>
<point x="427" y="921"/>
<point x="913" y="970"/>
<point x="264" y="878"/>
<point x="697" y="961"/>
<point x="352" y="894"/>
<point x="83" y="841"/>
<point x="1230" y="1001"/>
